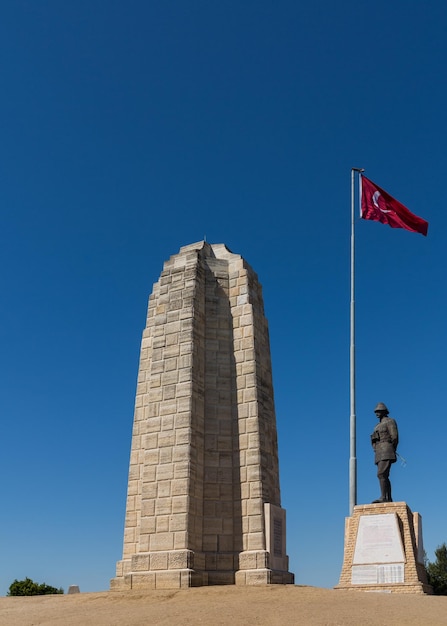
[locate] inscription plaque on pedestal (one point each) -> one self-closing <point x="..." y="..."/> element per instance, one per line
<point x="275" y="536"/>
<point x="383" y="550"/>
<point x="378" y="540"/>
<point x="377" y="574"/>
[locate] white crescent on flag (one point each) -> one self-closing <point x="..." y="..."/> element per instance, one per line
<point x="375" y="199"/>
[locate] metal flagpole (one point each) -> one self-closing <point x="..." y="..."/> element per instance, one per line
<point x="352" y="447"/>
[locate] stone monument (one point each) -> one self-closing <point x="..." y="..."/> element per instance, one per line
<point x="384" y="550"/>
<point x="203" y="502"/>
<point x="383" y="540"/>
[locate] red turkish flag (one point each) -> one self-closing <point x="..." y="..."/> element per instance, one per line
<point x="379" y="206"/>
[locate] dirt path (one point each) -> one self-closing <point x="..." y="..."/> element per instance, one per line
<point x="249" y="606"/>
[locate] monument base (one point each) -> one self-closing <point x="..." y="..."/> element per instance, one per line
<point x="384" y="550"/>
<point x="169" y="569"/>
<point x="180" y="569"/>
<point x="264" y="577"/>
<point x="261" y="567"/>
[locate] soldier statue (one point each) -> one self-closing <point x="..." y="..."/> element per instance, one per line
<point x="384" y="440"/>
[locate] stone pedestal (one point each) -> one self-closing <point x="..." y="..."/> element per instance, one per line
<point x="271" y="565"/>
<point x="203" y="502"/>
<point x="384" y="550"/>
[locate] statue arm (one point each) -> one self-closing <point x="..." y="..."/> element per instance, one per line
<point x="394" y="433"/>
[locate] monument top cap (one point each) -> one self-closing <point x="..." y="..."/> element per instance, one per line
<point x="204" y="245"/>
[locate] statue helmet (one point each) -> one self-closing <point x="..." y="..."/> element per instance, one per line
<point x="381" y="407"/>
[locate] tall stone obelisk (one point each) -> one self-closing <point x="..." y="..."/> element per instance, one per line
<point x="203" y="503"/>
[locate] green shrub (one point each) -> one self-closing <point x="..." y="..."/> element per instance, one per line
<point x="437" y="571"/>
<point x="28" y="587"/>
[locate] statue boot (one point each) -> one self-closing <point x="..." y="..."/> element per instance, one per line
<point x="388" y="490"/>
<point x="385" y="490"/>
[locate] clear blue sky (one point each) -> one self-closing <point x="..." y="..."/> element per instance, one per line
<point x="129" y="129"/>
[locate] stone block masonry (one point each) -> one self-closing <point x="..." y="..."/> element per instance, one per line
<point x="203" y="496"/>
<point x="384" y="550"/>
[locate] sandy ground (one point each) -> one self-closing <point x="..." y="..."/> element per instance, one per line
<point x="257" y="606"/>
